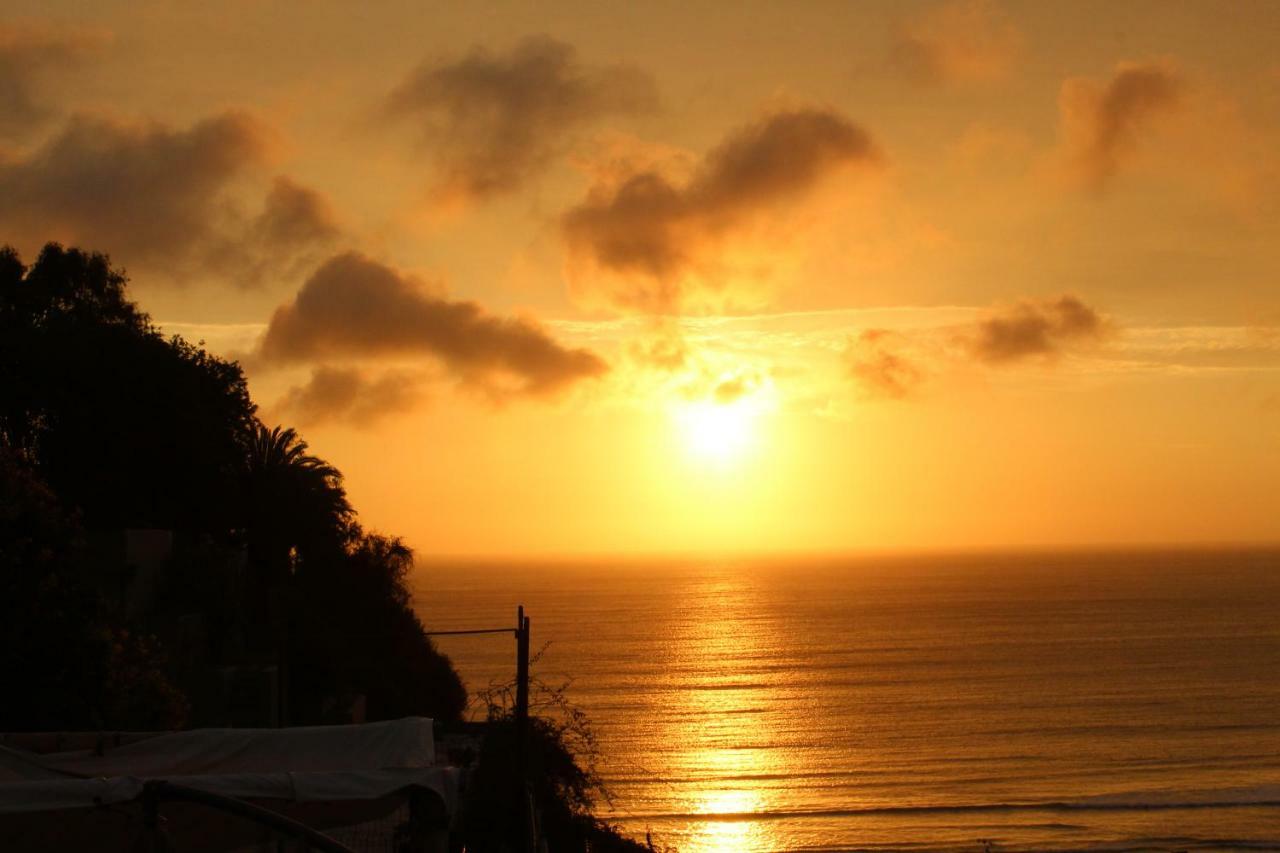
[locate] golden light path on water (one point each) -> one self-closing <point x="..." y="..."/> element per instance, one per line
<point x="720" y="836"/>
<point x="720" y="748"/>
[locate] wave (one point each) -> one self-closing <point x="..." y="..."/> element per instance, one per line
<point x="1232" y="798"/>
<point x="1140" y="845"/>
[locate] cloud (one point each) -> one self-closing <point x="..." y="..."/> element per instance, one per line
<point x="1103" y="123"/>
<point x="968" y="41"/>
<point x="294" y="215"/>
<point x="163" y="198"/>
<point x="733" y="389"/>
<point x="892" y="364"/>
<point x="493" y="120"/>
<point x="145" y="192"/>
<point x="349" y="395"/>
<point x="649" y="231"/>
<point x="354" y="307"/>
<point x="289" y="236"/>
<point x="715" y="376"/>
<point x="664" y="349"/>
<point x="29" y="57"/>
<point x="1032" y="328"/>
<point x="879" y="368"/>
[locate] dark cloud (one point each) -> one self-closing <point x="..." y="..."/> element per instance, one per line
<point x="1104" y="123"/>
<point x="876" y="363"/>
<point x="348" y="395"/>
<point x="1036" y="328"/>
<point x="29" y="57"/>
<point x="294" y="215"/>
<point x="295" y="229"/>
<point x="144" y="192"/>
<point x="967" y="41"/>
<point x="493" y="120"/>
<point x="891" y="365"/>
<point x="355" y="307"/>
<point x="165" y="199"/>
<point x="651" y="230"/>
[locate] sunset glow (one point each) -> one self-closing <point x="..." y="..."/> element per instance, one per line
<point x="735" y="426"/>
<point x="842" y="276"/>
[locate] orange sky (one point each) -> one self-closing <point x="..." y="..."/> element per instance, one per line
<point x="547" y="278"/>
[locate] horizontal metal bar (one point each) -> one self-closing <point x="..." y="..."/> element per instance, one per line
<point x="159" y="790"/>
<point x="474" y="631"/>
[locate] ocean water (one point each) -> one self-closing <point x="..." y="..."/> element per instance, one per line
<point x="1057" y="701"/>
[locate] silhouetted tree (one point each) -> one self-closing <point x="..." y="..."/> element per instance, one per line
<point x="129" y="428"/>
<point x="355" y="632"/>
<point x="64" y="664"/>
<point x="350" y="626"/>
<point x="296" y="501"/>
<point x="295" y="504"/>
<point x="562" y="779"/>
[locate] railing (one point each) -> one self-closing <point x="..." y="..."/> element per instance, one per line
<point x="158" y="790"/>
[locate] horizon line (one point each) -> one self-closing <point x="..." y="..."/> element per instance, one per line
<point x="708" y="554"/>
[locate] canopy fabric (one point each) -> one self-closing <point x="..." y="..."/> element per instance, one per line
<point x="321" y="763"/>
<point x="372" y="746"/>
<point x="19" y="766"/>
<point x="304" y="787"/>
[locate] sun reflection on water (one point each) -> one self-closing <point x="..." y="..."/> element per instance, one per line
<point x="732" y="833"/>
<point x="727" y="745"/>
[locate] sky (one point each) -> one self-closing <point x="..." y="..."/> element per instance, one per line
<point x="598" y="278"/>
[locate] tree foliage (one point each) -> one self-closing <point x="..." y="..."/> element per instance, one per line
<point x="106" y="425"/>
<point x="295" y="501"/>
<point x="563" y="784"/>
<point x="130" y="428"/>
<point x="354" y="625"/>
<point x="64" y="663"/>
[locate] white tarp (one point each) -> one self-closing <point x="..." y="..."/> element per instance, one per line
<point x="321" y="763"/>
<point x="373" y="746"/>
<point x="18" y="766"/>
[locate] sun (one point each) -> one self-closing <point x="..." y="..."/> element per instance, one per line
<point x="720" y="432"/>
<point x="715" y="430"/>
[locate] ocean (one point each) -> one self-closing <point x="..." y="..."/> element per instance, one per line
<point x="970" y="702"/>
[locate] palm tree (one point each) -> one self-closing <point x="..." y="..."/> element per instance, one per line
<point x="297" y="508"/>
<point x="296" y="502"/>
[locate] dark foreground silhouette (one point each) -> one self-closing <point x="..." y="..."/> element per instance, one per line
<point x="174" y="536"/>
<point x="169" y="561"/>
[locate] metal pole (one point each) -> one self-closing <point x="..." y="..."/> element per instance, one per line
<point x="522" y="725"/>
<point x="152" y="842"/>
<point x="520" y="783"/>
<point x="522" y="668"/>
